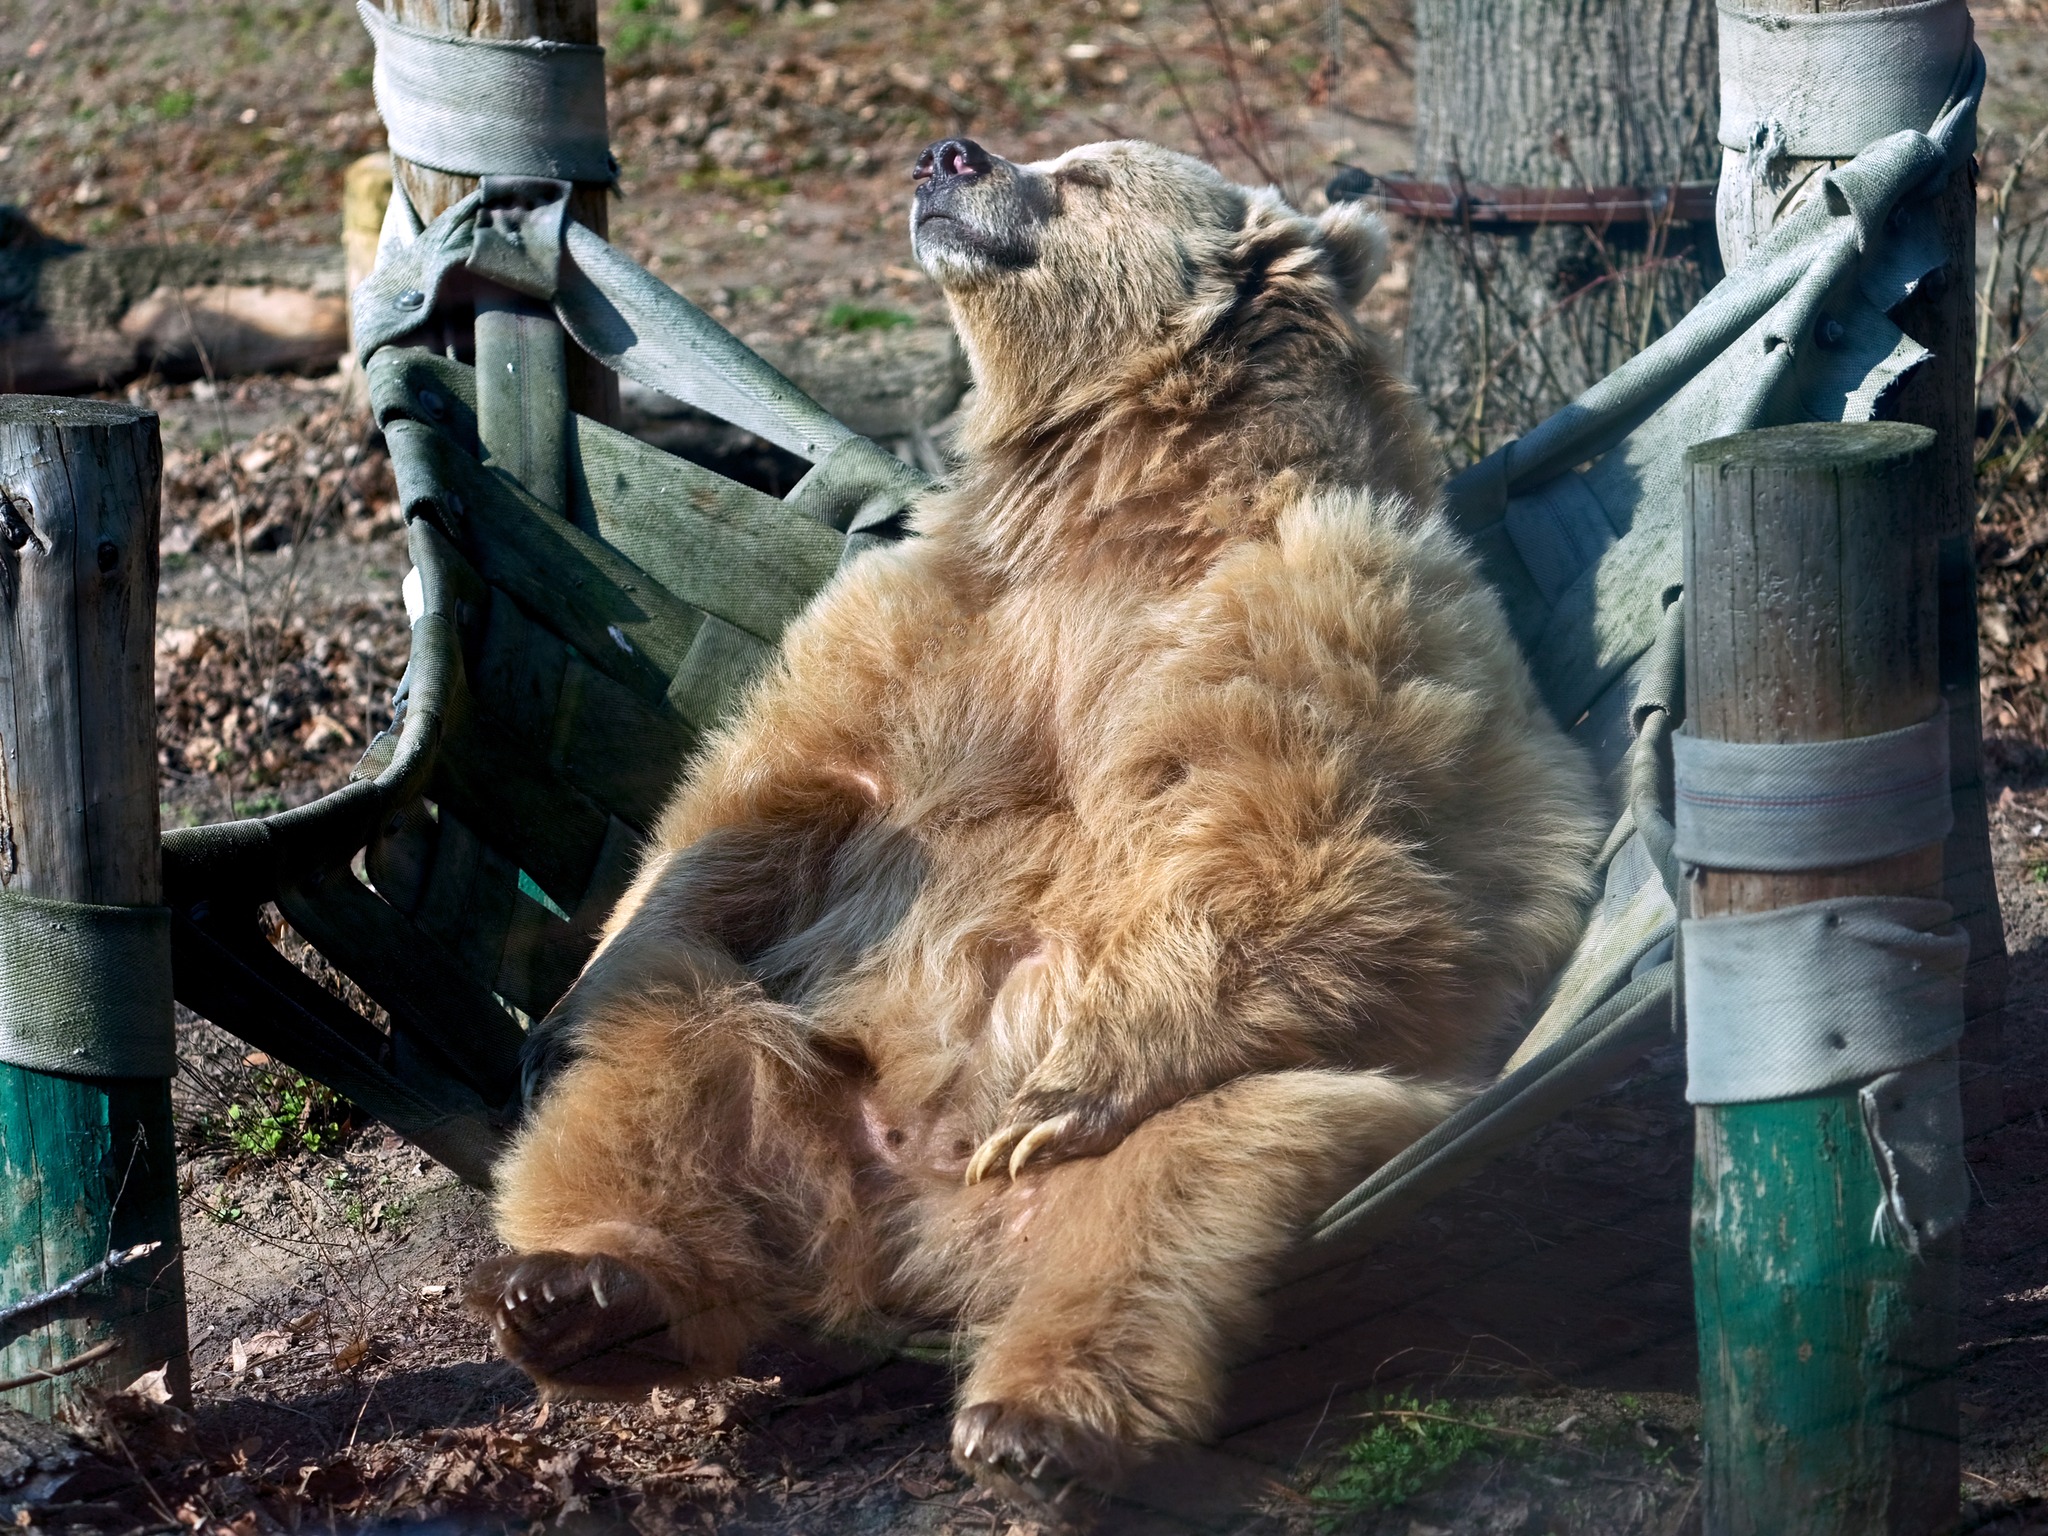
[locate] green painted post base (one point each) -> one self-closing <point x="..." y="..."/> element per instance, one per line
<point x="88" y="1164"/>
<point x="1828" y="1407"/>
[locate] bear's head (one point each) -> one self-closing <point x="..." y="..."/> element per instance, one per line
<point x="1080" y="277"/>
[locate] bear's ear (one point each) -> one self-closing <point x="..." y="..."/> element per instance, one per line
<point x="1355" y="242"/>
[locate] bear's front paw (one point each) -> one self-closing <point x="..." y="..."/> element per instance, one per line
<point x="1033" y="1458"/>
<point x="1053" y="1127"/>
<point x="585" y="1325"/>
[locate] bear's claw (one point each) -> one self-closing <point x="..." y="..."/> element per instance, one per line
<point x="584" y="1324"/>
<point x="1035" y="1460"/>
<point x="1055" y="1126"/>
<point x="1017" y="1144"/>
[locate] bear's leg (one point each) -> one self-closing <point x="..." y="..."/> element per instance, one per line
<point x="1139" y="1271"/>
<point x="683" y="1185"/>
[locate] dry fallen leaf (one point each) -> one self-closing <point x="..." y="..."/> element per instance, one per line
<point x="352" y="1353"/>
<point x="238" y="1356"/>
<point x="151" y="1386"/>
<point x="268" y="1344"/>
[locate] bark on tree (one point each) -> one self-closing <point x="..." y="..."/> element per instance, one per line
<point x="1507" y="324"/>
<point x="593" y="389"/>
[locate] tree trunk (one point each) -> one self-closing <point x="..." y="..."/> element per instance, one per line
<point x="593" y="389"/>
<point x="1507" y="324"/>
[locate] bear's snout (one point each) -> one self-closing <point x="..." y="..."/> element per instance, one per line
<point x="952" y="157"/>
<point x="974" y="213"/>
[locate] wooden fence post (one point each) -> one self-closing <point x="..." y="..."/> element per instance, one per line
<point x="1942" y="395"/>
<point x="1813" y="593"/>
<point x="593" y="388"/>
<point x="86" y="1162"/>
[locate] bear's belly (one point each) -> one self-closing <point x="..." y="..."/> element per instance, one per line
<point x="922" y="1143"/>
<point x="941" y="1040"/>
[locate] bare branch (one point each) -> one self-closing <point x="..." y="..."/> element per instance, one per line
<point x="12" y="1316"/>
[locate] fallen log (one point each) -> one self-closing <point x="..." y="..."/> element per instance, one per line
<point x="73" y="319"/>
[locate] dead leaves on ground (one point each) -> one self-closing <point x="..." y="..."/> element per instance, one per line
<point x="2012" y="631"/>
<point x="285" y="694"/>
<point x="270" y="702"/>
<point x="159" y="1469"/>
<point x="289" y="483"/>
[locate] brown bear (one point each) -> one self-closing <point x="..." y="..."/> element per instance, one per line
<point x="1098" y="883"/>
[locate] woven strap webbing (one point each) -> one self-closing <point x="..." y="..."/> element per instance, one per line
<point x="85" y="990"/>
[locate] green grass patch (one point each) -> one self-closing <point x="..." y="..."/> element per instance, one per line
<point x="2038" y="873"/>
<point x="845" y="316"/>
<point x="221" y="1207"/>
<point x="175" y="104"/>
<point x="274" y="1113"/>
<point x="718" y="178"/>
<point x="1410" y="1447"/>
<point x="641" y="26"/>
<point x="354" y="78"/>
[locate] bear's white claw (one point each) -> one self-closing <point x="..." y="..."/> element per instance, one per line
<point x="1038" y="1137"/>
<point x="992" y="1152"/>
<point x="1015" y="1145"/>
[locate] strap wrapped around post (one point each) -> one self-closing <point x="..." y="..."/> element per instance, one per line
<point x="1811" y="804"/>
<point x="1827" y="84"/>
<point x="475" y="106"/>
<point x="85" y="990"/>
<point x="1819" y="996"/>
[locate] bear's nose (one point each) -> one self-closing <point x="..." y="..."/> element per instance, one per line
<point x="952" y="157"/>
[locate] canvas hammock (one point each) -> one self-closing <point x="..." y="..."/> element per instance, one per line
<point x="584" y="606"/>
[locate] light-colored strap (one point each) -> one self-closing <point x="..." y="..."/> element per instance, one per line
<point x="476" y="106"/>
<point x="1826" y="85"/>
<point x="1914" y="1119"/>
<point x="85" y="990"/>
<point x="1818" y="996"/>
<point x="638" y="326"/>
<point x="1811" y="804"/>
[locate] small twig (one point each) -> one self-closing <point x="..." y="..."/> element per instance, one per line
<point x="1381" y="41"/>
<point x="1248" y="126"/>
<point x="78" y="1282"/>
<point x="1186" y="106"/>
<point x="99" y="1351"/>
<point x="881" y="1477"/>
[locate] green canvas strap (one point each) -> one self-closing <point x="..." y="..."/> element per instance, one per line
<point x="475" y="106"/>
<point x="85" y="990"/>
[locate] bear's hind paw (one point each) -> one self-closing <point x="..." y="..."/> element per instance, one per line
<point x="584" y="1325"/>
<point x="1044" y="1463"/>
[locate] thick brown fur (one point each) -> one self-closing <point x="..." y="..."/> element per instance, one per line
<point x="1101" y="881"/>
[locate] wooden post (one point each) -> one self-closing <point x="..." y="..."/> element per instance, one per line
<point x="593" y="388"/>
<point x="365" y="193"/>
<point x="86" y="1164"/>
<point x="1812" y="591"/>
<point x="1942" y="395"/>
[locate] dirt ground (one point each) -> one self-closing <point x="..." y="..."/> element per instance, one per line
<point x="338" y="1384"/>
